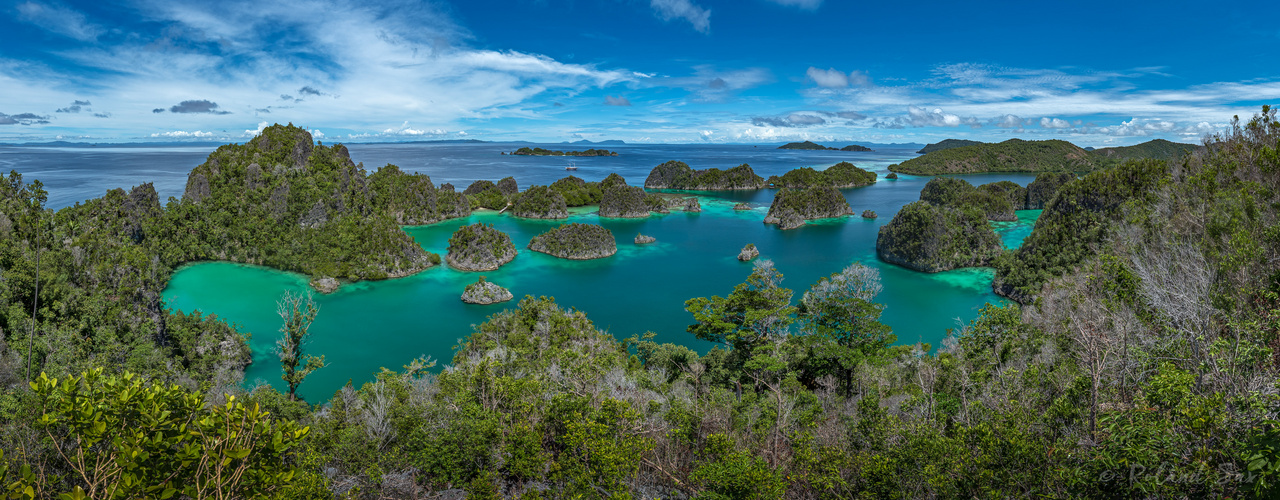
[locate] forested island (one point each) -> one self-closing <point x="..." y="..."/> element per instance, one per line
<point x="1016" y="155"/>
<point x="576" y="241"/>
<point x="527" y="151"/>
<point x="1137" y="361"/>
<point x="840" y="175"/>
<point x="808" y="145"/>
<point x="792" y="207"/>
<point x="678" y="175"/>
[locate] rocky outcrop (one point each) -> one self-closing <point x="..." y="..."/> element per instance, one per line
<point x="412" y="199"/>
<point x="576" y="241"/>
<point x="197" y="188"/>
<point x="622" y="201"/>
<point x="930" y="238"/>
<point x="479" y="247"/>
<point x="485" y="292"/>
<point x="296" y="144"/>
<point x="1043" y="189"/>
<point x="478" y="187"/>
<point x="869" y="214"/>
<point x="841" y="175"/>
<point x="791" y="207"/>
<point x="644" y="240"/>
<point x="540" y="202"/>
<point x="316" y="217"/>
<point x="892" y="175"/>
<point x="508" y="186"/>
<point x="325" y="284"/>
<point x="253" y="177"/>
<point x="690" y="204"/>
<point x="741" y="206"/>
<point x="678" y="175"/>
<point x="748" y="252"/>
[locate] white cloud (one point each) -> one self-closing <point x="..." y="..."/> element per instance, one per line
<point x="803" y="4"/>
<point x="829" y="78"/>
<point x="254" y="133"/>
<point x="709" y="84"/>
<point x="698" y="16"/>
<point x="389" y="61"/>
<point x="182" y="134"/>
<point x="835" y="79"/>
<point x="1008" y="121"/>
<point x="58" y="19"/>
<point x="921" y="117"/>
<point x="1047" y="122"/>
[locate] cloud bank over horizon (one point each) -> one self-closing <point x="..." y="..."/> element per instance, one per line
<point x="667" y="71"/>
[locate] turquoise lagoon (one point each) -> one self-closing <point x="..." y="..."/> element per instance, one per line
<point x="366" y="326"/>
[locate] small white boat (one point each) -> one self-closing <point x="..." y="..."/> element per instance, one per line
<point x="571" y="166"/>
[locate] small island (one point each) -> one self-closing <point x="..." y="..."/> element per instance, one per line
<point x="930" y="238"/>
<point x="1013" y="155"/>
<point x="811" y="146"/>
<point x="642" y="239"/>
<point x="540" y="202"/>
<point x="946" y="144"/>
<point x="869" y="214"/>
<point x="628" y="202"/>
<point x="748" y="252"/>
<point x="576" y="241"/>
<point x="792" y="207"/>
<point x="479" y="247"/>
<point x="678" y="175"/>
<point x="527" y="151"/>
<point x="485" y="292"/>
<point x="841" y="175"/>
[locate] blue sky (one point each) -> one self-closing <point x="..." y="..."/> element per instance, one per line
<point x="735" y="71"/>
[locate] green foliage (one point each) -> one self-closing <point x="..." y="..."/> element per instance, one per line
<point x="750" y="316"/>
<point x="730" y="474"/>
<point x="1155" y="149"/>
<point x="1074" y="224"/>
<point x="540" y="202"/>
<point x="577" y="192"/>
<point x="840" y="175"/>
<point x="947" y="144"/>
<point x="808" y="203"/>
<point x="1013" y="155"/>
<point x="931" y="238"/>
<point x="479" y="247"/>
<point x="678" y="175"/>
<point x="297" y="312"/>
<point x="126" y="438"/>
<point x="575" y="241"/>
<point x="527" y="151"/>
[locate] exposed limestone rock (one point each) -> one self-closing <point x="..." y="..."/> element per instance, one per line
<point x="479" y="247"/>
<point x="484" y="293"/>
<point x="325" y="284"/>
<point x="643" y="240"/>
<point x="576" y="241"/>
<point x="748" y="252"/>
<point x="316" y="217"/>
<point x="197" y="188"/>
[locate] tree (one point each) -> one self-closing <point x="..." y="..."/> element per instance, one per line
<point x="297" y="311"/>
<point x="754" y="313"/>
<point x="842" y="322"/>
<point x="123" y="437"/>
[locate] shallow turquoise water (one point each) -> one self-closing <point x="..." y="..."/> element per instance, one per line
<point x="1013" y="232"/>
<point x="365" y="326"/>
